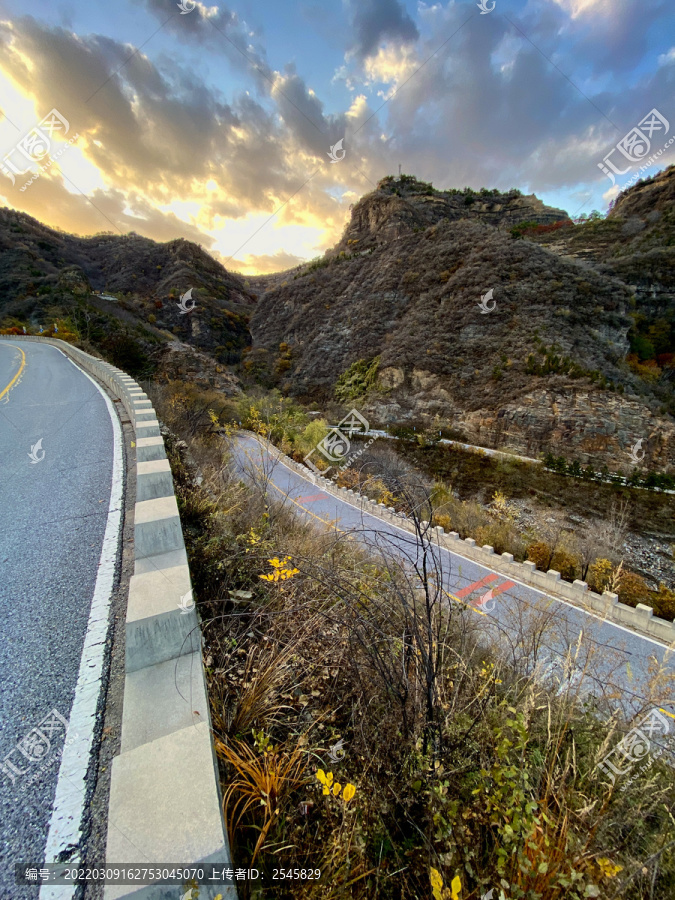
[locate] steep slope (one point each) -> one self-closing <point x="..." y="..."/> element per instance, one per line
<point x="635" y="243"/>
<point x="542" y="370"/>
<point x="44" y="273"/>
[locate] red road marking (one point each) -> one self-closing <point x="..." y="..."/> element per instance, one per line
<point x="311" y="497"/>
<point x="504" y="586"/>
<point x="477" y="584"/>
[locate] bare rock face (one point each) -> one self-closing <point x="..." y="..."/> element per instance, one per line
<point x="591" y="427"/>
<point x="181" y="361"/>
<point x="397" y="208"/>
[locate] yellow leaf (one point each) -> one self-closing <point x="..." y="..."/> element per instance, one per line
<point x="348" y="792"/>
<point x="133" y="443"/>
<point x="326" y="790"/>
<point x="321" y="776"/>
<point x="337" y="787"/>
<point x="456" y="887"/>
<point x="436" y="883"/>
<point x="329" y="778"/>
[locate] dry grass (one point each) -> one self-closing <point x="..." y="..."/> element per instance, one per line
<point x="484" y="773"/>
<point x="262" y="780"/>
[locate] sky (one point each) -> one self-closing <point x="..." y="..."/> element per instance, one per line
<point x="216" y="123"/>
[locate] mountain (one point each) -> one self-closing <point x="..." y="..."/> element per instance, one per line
<point x="487" y="314"/>
<point x="392" y="320"/>
<point x="47" y="274"/>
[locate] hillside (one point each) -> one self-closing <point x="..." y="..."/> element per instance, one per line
<point x="47" y="274"/>
<point x="390" y="319"/>
<point x="635" y="243"/>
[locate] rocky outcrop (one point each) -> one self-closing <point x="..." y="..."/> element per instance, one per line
<point x="182" y="362"/>
<point x="397" y="208"/>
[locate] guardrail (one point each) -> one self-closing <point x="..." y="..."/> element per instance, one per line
<point x="640" y="619"/>
<point x="165" y="803"/>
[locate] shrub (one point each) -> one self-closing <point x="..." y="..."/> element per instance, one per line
<point x="540" y="554"/>
<point x="359" y="378"/>
<point x="600" y="575"/>
<point x="566" y="564"/>
<point x="632" y="589"/>
<point x="444" y="521"/>
<point x="663" y="602"/>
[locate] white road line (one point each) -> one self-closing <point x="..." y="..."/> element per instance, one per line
<point x="65" y="827"/>
<point x="452" y="553"/>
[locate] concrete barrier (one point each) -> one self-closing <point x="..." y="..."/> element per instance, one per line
<point x="165" y="802"/>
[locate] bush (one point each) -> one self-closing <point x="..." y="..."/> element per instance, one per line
<point x="540" y="554"/>
<point x="444" y="521"/>
<point x="600" y="575"/>
<point x="359" y="378"/>
<point x="566" y="564"/>
<point x="663" y="602"/>
<point x="632" y="589"/>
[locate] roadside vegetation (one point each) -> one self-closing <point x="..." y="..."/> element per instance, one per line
<point x="365" y="727"/>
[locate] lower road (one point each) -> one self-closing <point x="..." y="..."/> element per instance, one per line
<point x="611" y="661"/>
<point x="61" y="479"/>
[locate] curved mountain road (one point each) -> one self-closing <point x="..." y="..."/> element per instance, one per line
<point x="619" y="659"/>
<point x="61" y="494"/>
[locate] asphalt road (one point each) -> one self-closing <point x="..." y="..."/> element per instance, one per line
<point x="613" y="662"/>
<point x="58" y="548"/>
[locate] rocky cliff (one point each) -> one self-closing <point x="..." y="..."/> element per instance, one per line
<point x="510" y="342"/>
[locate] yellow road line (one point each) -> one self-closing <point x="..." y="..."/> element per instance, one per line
<point x="18" y="374"/>
<point x="468" y="606"/>
<point x="300" y="506"/>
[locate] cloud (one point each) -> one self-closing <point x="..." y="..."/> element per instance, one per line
<point x="609" y="36"/>
<point x="377" y="21"/>
<point x="470" y="101"/>
<point x="216" y="28"/>
<point x="265" y="263"/>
